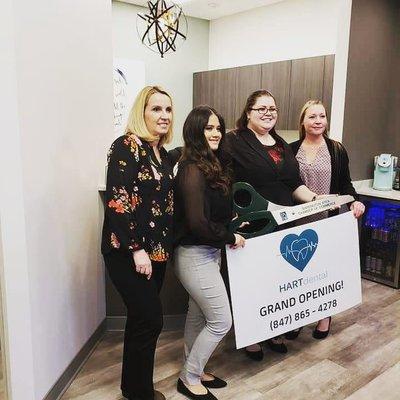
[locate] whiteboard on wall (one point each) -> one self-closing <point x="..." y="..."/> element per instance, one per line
<point x="129" y="79"/>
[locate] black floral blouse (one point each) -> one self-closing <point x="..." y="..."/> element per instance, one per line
<point x="138" y="200"/>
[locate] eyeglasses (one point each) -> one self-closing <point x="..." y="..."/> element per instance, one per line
<point x="265" y="110"/>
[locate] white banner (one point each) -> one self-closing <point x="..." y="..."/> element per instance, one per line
<point x="290" y="278"/>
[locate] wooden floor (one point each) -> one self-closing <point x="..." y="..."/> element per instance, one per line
<point x="360" y="360"/>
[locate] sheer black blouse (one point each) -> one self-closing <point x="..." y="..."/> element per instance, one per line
<point x="202" y="213"/>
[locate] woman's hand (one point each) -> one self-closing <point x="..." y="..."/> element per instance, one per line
<point x="243" y="224"/>
<point x="358" y="208"/>
<point x="142" y="263"/>
<point x="240" y="241"/>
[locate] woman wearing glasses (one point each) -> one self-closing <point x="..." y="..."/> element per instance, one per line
<point x="263" y="159"/>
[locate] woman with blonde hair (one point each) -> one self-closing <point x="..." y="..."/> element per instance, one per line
<point x="137" y="232"/>
<point x="324" y="168"/>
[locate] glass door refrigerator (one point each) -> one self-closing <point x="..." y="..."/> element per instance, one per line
<point x="380" y="241"/>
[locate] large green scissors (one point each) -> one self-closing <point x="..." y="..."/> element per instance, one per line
<point x="271" y="214"/>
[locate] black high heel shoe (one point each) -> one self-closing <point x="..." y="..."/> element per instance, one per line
<point x="255" y="355"/>
<point x="183" y="389"/>
<point x="322" y="334"/>
<point x="277" y="347"/>
<point x="291" y="335"/>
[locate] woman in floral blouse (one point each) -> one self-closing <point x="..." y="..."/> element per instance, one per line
<point x="137" y="232"/>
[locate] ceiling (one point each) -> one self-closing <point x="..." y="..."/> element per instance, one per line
<point x="213" y="9"/>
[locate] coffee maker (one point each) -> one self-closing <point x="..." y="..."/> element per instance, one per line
<point x="385" y="166"/>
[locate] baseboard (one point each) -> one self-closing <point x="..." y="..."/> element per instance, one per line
<point x="76" y="364"/>
<point x="171" y="323"/>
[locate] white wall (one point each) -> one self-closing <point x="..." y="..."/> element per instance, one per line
<point x="14" y="266"/>
<point x="60" y="97"/>
<point x="175" y="71"/>
<point x="287" y="30"/>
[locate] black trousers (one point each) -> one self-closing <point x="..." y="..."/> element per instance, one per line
<point x="144" y="321"/>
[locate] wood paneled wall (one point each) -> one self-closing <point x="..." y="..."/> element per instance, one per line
<point x="306" y="81"/>
<point x="275" y="77"/>
<point x="292" y="82"/>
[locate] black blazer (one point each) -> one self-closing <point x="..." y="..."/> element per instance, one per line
<point x="340" y="177"/>
<point x="251" y="163"/>
<point x="174" y="155"/>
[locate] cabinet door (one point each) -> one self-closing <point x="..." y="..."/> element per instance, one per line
<point x="248" y="81"/>
<point x="218" y="90"/>
<point x="275" y="77"/>
<point x="224" y="94"/>
<point x="199" y="88"/>
<point x="306" y="83"/>
<point x="329" y="66"/>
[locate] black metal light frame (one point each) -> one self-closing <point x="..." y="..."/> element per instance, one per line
<point x="164" y="42"/>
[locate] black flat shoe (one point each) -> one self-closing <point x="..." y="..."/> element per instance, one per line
<point x="216" y="383"/>
<point x="322" y="334"/>
<point x="255" y="355"/>
<point x="183" y="389"/>
<point x="157" y="395"/>
<point x="277" y="347"/>
<point x="291" y="335"/>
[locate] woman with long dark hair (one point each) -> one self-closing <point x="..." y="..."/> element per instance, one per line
<point x="203" y="212"/>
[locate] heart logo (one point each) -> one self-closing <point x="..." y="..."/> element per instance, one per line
<point x="298" y="250"/>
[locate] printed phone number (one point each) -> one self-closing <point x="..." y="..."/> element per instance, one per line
<point x="289" y="319"/>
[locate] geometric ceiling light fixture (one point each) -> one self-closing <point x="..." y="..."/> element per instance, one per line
<point x="162" y="27"/>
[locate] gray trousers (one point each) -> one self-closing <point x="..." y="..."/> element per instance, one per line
<point x="209" y="316"/>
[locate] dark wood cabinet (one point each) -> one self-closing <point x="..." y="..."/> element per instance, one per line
<point x="275" y="77"/>
<point x="306" y="82"/>
<point x="199" y="88"/>
<point x="248" y="80"/>
<point x="217" y="89"/>
<point x="328" y="83"/>
<point x="292" y="83"/>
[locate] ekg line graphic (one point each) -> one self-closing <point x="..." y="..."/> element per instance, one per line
<point x="297" y="253"/>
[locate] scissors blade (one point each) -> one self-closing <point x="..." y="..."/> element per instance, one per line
<point x="272" y="206"/>
<point x="289" y="214"/>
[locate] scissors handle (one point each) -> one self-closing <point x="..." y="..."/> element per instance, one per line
<point x="257" y="202"/>
<point x="254" y="216"/>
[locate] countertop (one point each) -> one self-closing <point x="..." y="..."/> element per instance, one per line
<point x="362" y="187"/>
<point x="365" y="188"/>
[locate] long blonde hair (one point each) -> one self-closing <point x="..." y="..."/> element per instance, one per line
<point x="136" y="123"/>
<point x="309" y="103"/>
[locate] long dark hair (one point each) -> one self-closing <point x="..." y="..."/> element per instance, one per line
<point x="241" y="123"/>
<point x="197" y="149"/>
